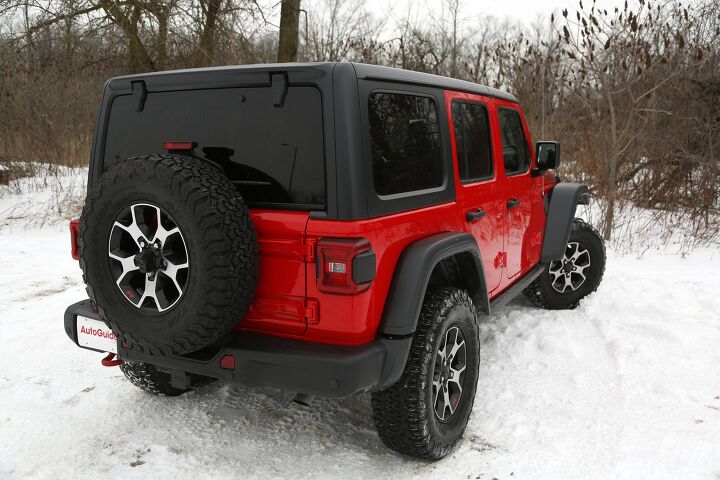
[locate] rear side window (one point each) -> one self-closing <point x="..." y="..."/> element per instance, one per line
<point x="405" y="143"/>
<point x="274" y="155"/>
<point x="472" y="141"/>
<point x="514" y="146"/>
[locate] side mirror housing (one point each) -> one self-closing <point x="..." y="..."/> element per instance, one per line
<point x="547" y="155"/>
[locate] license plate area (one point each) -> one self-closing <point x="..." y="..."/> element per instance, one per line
<point x="95" y="335"/>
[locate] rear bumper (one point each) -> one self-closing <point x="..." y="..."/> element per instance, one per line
<point x="292" y="365"/>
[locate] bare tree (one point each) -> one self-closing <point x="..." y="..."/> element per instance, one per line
<point x="338" y="30"/>
<point x="621" y="59"/>
<point x="289" y="24"/>
<point x="206" y="46"/>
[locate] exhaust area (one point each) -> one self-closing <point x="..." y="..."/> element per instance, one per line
<point x="303" y="399"/>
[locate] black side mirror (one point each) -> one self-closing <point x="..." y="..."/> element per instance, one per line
<point x="547" y="154"/>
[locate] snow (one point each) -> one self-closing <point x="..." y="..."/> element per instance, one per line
<point x="625" y="386"/>
<point x="51" y="197"/>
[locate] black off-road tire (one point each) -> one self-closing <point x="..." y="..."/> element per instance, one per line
<point x="404" y="413"/>
<point x="148" y="378"/>
<point x="222" y="252"/>
<point x="541" y="292"/>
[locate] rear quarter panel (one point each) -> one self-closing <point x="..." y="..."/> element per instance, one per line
<point x="354" y="319"/>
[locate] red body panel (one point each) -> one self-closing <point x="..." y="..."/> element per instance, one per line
<point x="486" y="195"/>
<point x="279" y="304"/>
<point x="353" y="320"/>
<point x="288" y="302"/>
<point x="525" y="223"/>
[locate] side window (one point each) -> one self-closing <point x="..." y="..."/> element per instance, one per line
<point x="405" y="143"/>
<point x="514" y="146"/>
<point x="472" y="141"/>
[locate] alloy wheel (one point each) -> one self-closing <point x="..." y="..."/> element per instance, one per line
<point x="570" y="272"/>
<point x="148" y="257"/>
<point x="449" y="374"/>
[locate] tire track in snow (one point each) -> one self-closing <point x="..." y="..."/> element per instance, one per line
<point x="614" y="389"/>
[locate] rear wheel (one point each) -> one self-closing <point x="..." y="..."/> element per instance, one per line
<point x="567" y="281"/>
<point x="425" y="413"/>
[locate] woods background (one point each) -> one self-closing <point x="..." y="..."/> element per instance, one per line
<point x="632" y="93"/>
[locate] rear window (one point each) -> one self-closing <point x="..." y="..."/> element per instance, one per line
<point x="274" y="155"/>
<point x="514" y="146"/>
<point x="472" y="141"/>
<point x="405" y="143"/>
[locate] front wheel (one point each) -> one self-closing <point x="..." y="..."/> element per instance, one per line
<point x="425" y="413"/>
<point x="567" y="281"/>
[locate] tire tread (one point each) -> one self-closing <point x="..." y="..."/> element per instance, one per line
<point x="534" y="293"/>
<point x="401" y="413"/>
<point x="228" y="238"/>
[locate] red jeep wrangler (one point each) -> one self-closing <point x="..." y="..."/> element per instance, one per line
<point x="326" y="229"/>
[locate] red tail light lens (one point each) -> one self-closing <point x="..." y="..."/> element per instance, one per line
<point x="338" y="265"/>
<point x="74" y="233"/>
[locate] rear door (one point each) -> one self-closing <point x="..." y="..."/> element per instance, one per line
<point x="274" y="155"/>
<point x="279" y="305"/>
<point x="521" y="193"/>
<point x="476" y="177"/>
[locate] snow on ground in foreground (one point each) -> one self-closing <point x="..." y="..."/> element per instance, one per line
<point x="626" y="386"/>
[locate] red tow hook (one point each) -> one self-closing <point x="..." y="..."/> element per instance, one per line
<point x="109" y="362"/>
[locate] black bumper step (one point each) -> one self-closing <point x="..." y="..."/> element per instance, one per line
<point x="292" y="365"/>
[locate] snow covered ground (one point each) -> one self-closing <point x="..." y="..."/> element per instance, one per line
<point x="625" y="386"/>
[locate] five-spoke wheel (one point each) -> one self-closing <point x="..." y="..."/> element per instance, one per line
<point x="425" y="412"/>
<point x="569" y="273"/>
<point x="450" y="363"/>
<point x="148" y="257"/>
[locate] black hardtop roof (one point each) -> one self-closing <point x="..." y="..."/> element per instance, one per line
<point x="362" y="70"/>
<point x="388" y="74"/>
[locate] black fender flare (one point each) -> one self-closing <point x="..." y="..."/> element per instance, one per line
<point x="412" y="274"/>
<point x="563" y="202"/>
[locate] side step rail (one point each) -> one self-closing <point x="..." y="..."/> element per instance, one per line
<point x="515" y="290"/>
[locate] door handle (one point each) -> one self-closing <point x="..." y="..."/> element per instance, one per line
<point x="474" y="215"/>
<point x="513" y="202"/>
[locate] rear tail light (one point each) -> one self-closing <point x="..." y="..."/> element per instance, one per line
<point x="345" y="266"/>
<point x="74" y="232"/>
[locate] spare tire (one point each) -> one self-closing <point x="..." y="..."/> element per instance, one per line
<point x="168" y="253"/>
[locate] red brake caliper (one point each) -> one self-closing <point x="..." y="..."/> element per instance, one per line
<point x="109" y="362"/>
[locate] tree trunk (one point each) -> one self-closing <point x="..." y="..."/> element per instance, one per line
<point x="138" y="58"/>
<point x="455" y="6"/>
<point x="612" y="171"/>
<point x="162" y="18"/>
<point x="289" y="28"/>
<point x="206" y="48"/>
<point x="609" y="214"/>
